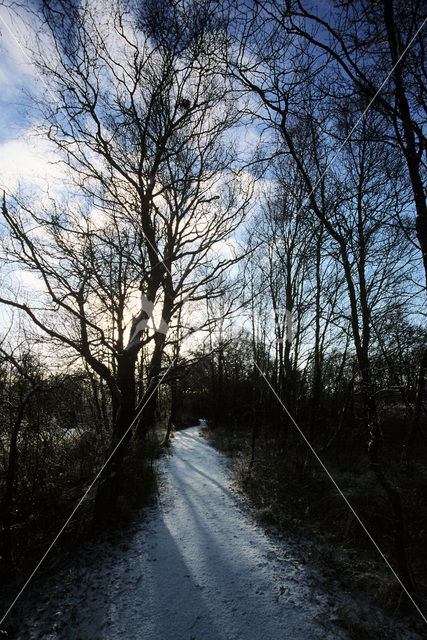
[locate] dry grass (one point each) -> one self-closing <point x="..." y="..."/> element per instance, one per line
<point x="360" y="628"/>
<point x="293" y="493"/>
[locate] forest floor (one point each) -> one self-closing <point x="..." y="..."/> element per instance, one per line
<point x="197" y="567"/>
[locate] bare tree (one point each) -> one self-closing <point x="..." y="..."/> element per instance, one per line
<point x="286" y="73"/>
<point x="141" y="121"/>
<point x="362" y="45"/>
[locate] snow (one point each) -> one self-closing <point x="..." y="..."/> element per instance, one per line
<point x="198" y="568"/>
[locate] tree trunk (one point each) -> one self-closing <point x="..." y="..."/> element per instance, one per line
<point x="123" y="414"/>
<point x="219" y="409"/>
<point x="148" y="404"/>
<point x="412" y="156"/>
<point x="317" y="369"/>
<point x="400" y="534"/>
<point x="7" y="506"/>
<point x="419" y="400"/>
<point x="173" y="411"/>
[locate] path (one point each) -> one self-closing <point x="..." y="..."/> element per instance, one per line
<point x="200" y="569"/>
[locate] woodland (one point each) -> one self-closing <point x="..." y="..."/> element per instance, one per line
<point x="237" y="232"/>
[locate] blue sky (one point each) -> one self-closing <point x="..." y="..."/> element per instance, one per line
<point x="15" y="75"/>
<point x="22" y="157"/>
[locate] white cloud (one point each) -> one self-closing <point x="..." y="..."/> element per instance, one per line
<point x="29" y="280"/>
<point x="16" y="69"/>
<point x="24" y="159"/>
<point x="29" y="161"/>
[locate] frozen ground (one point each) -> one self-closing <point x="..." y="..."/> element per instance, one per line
<point x="199" y="568"/>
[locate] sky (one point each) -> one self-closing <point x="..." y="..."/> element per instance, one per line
<point x="24" y="157"/>
<point x="16" y="75"/>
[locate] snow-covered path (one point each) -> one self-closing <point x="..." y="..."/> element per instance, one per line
<point x="199" y="569"/>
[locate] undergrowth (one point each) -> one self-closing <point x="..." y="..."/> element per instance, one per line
<point x="39" y="515"/>
<point x="290" y="490"/>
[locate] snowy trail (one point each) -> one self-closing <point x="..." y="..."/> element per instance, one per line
<point x="200" y="569"/>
